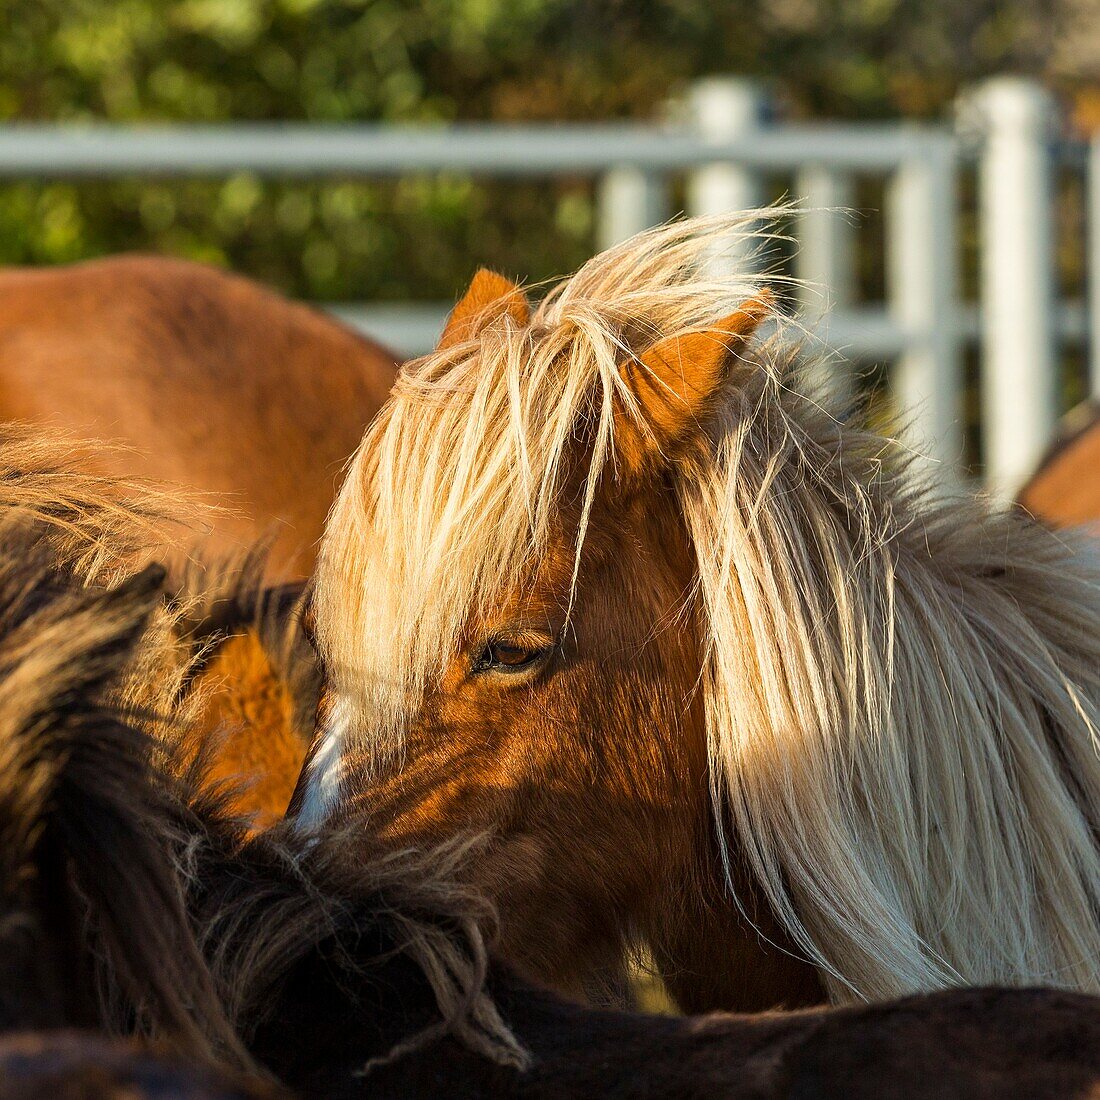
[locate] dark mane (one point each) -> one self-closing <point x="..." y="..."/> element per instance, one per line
<point x="135" y="902"/>
<point x="82" y="820"/>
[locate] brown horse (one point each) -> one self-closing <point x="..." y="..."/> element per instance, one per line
<point x="134" y="908"/>
<point x="201" y="960"/>
<point x="214" y="382"/>
<point x="707" y="663"/>
<point x="1065" y="490"/>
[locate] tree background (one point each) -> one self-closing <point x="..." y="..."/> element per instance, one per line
<point x="443" y="60"/>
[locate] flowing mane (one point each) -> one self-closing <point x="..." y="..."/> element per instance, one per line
<point x="450" y="533"/>
<point x="901" y="685"/>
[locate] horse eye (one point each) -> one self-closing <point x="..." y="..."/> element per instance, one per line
<point x="503" y="656"/>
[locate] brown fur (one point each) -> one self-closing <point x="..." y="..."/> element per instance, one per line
<point x="216" y="384"/>
<point x="673" y="384"/>
<point x="231" y="666"/>
<point x="566" y="771"/>
<point x="488" y="297"/>
<point x="121" y="904"/>
<point x="591" y="776"/>
<point x="93" y="920"/>
<point x="135" y="904"/>
<point x="1065" y="490"/>
<point x="253" y="711"/>
<point x="253" y="683"/>
<point x="963" y="1045"/>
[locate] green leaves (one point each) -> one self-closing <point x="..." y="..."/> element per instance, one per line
<point x="436" y="60"/>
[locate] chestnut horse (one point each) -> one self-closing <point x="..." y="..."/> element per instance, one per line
<point x="1065" y="489"/>
<point x="710" y="666"/>
<point x="214" y="382"/>
<point x="151" y="948"/>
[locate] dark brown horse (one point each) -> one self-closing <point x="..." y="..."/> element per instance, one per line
<point x="81" y="1065"/>
<point x="214" y="382"/>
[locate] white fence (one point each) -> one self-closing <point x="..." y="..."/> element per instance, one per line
<point x="725" y="146"/>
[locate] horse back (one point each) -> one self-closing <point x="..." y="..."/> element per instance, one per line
<point x="211" y="381"/>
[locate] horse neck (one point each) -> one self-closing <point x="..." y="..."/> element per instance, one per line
<point x="719" y="946"/>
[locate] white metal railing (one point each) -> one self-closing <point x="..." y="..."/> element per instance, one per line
<point x="722" y="140"/>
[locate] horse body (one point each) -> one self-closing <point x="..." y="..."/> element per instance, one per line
<point x="214" y="382"/>
<point x="76" y="1065"/>
<point x="199" y="959"/>
<point x="708" y="665"/>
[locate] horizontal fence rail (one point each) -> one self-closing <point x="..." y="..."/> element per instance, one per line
<point x="868" y="333"/>
<point x="723" y="143"/>
<point x="498" y="149"/>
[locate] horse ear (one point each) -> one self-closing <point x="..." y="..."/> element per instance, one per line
<point x="674" y="381"/>
<point x="490" y="296"/>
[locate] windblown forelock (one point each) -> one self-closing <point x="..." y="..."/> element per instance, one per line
<point x="453" y="496"/>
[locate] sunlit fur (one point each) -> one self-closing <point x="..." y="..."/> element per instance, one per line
<point x="251" y="685"/>
<point x="1065" y="489"/>
<point x="212" y="382"/>
<point x="901" y="686"/>
<point x="132" y="905"/>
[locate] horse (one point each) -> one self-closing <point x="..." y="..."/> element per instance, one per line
<point x="1065" y="490"/>
<point x="212" y="381"/>
<point x="713" y="666"/>
<point x="93" y="924"/>
<point x="135" y="904"/>
<point x="154" y="946"/>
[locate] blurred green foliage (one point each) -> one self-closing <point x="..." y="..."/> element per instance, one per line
<point x="439" y="60"/>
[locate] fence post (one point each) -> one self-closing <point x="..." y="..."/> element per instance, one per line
<point x="922" y="286"/>
<point x="1018" y="325"/>
<point x="1092" y="264"/>
<point x="721" y="108"/>
<point x="628" y="201"/>
<point x="825" y="261"/>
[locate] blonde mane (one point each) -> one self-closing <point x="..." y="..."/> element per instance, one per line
<point x="902" y="689"/>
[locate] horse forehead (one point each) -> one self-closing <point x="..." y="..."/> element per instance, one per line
<point x="536" y="607"/>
